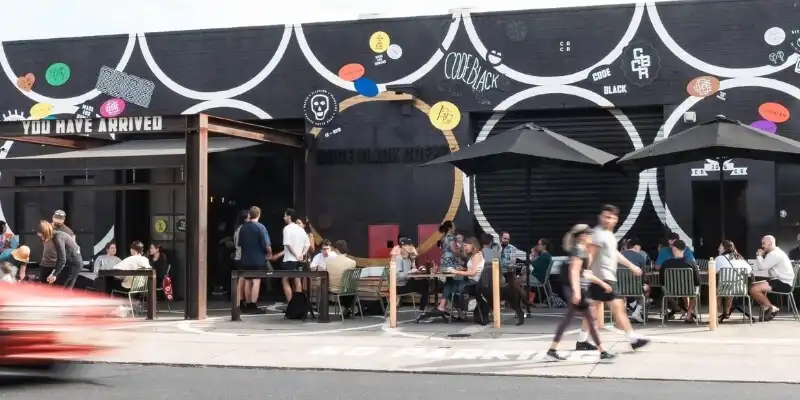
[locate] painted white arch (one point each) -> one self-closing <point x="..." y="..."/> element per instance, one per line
<point x="661" y="207"/>
<point x="408" y="79"/>
<point x="71" y="101"/>
<point x="633" y="27"/>
<point x="233" y="92"/>
<point x="633" y="134"/>
<point x="722" y="72"/>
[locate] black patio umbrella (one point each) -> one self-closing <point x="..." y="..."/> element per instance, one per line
<point x="720" y="139"/>
<point x="525" y="146"/>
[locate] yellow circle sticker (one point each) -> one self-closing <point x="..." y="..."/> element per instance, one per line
<point x="444" y="115"/>
<point x="161" y="226"/>
<point x="379" y="42"/>
<point x="41" y="110"/>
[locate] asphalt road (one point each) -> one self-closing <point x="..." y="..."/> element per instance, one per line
<point x="111" y="382"/>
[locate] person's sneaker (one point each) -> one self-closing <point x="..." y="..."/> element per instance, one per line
<point x="607" y="357"/>
<point x="242" y="305"/>
<point x="639" y="343"/>
<point x="471" y="305"/>
<point x="254" y="309"/>
<point x="553" y="355"/>
<point x="637" y="315"/>
<point x="219" y="291"/>
<point x="585" y="346"/>
<point x="423" y="318"/>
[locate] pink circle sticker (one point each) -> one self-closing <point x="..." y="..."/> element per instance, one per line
<point x="112" y="108"/>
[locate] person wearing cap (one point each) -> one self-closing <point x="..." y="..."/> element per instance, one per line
<point x="49" y="255"/>
<point x="404" y="262"/>
<point x="794" y="254"/>
<point x="58" y="223"/>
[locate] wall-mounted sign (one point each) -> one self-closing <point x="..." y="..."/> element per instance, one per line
<point x="444" y="115"/>
<point x="387" y="155"/>
<point x="564" y="46"/>
<point x="774" y="112"/>
<point x="112" y="108"/>
<point x="774" y="36"/>
<point x="57" y="74"/>
<point x="160" y="225"/>
<point x="25" y="82"/>
<point x="320" y="108"/>
<point x="600" y="74"/>
<point x="468" y="68"/>
<point x="85" y="126"/>
<point x="379" y="42"/>
<point x="180" y="224"/>
<point x="131" y="88"/>
<point x="713" y="166"/>
<point x="640" y="63"/>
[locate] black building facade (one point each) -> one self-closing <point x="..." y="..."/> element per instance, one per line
<point x="613" y="77"/>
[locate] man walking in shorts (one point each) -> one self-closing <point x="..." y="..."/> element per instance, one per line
<point x="605" y="258"/>
<point x="256" y="249"/>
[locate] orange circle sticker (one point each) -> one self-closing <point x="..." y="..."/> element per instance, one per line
<point x="703" y="86"/>
<point x="351" y="72"/>
<point x="774" y="112"/>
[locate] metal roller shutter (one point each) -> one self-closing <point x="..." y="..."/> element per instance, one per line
<point x="562" y="197"/>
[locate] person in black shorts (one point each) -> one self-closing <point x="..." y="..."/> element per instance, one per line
<point x="256" y="250"/>
<point x="575" y="278"/>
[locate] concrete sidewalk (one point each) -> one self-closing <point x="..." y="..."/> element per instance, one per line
<point x="736" y="352"/>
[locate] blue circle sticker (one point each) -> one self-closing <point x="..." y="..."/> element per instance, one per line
<point x="366" y="87"/>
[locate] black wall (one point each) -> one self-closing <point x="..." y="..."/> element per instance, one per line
<point x="541" y="51"/>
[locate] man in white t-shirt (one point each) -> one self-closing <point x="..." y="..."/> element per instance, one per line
<point x="133" y="262"/>
<point x="605" y="257"/>
<point x="319" y="263"/>
<point x="295" y="247"/>
<point x="772" y="260"/>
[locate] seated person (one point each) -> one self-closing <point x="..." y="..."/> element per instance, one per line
<point x="633" y="252"/>
<point x="404" y="262"/>
<point x="730" y="258"/>
<point x="108" y="260"/>
<point x="472" y="273"/>
<point x="679" y="261"/>
<point x="336" y="267"/>
<point x="133" y="262"/>
<point x="665" y="252"/>
<point x="772" y="260"/>
<point x="540" y="263"/>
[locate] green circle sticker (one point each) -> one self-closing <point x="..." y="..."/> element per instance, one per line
<point x="57" y="74"/>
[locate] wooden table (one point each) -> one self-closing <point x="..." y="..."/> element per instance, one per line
<point x="431" y="277"/>
<point x="324" y="316"/>
<point x="104" y="274"/>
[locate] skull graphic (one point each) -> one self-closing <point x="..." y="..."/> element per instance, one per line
<point x="320" y="105"/>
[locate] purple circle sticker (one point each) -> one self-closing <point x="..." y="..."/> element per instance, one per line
<point x="112" y="108"/>
<point x="766" y="126"/>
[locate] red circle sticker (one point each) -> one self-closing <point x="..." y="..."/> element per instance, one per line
<point x="773" y="112"/>
<point x="351" y="72"/>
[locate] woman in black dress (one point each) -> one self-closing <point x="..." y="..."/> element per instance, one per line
<point x="575" y="277"/>
<point x="159" y="262"/>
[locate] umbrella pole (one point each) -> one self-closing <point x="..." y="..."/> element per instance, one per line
<point x="720" y="161"/>
<point x="530" y="232"/>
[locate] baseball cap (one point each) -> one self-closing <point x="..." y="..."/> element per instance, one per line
<point x="60" y="214"/>
<point x="404" y="241"/>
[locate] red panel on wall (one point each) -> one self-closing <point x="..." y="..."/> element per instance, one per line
<point x="379" y="236"/>
<point x="434" y="253"/>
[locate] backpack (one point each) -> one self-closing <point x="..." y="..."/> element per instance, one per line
<point x="299" y="307"/>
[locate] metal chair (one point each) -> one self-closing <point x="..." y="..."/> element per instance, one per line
<point x="545" y="285"/>
<point x="732" y="283"/>
<point x="384" y="283"/>
<point x="790" y="296"/>
<point x="679" y="283"/>
<point x="629" y="285"/>
<point x="348" y="287"/>
<point x="702" y="266"/>
<point x="138" y="286"/>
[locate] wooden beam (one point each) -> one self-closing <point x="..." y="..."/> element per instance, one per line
<point x="81" y="143"/>
<point x="253" y="132"/>
<point x="91" y="188"/>
<point x="395" y="96"/>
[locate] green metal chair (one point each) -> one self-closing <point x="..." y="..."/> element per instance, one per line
<point x="138" y="286"/>
<point x="702" y="266"/>
<point x="545" y="286"/>
<point x="732" y="283"/>
<point x="679" y="283"/>
<point x="384" y="283"/>
<point x="629" y="285"/>
<point x="348" y="287"/>
<point x="790" y="296"/>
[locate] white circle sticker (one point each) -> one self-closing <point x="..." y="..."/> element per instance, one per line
<point x="774" y="36"/>
<point x="394" y="51"/>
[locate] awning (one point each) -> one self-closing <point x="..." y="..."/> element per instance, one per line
<point x="139" y="154"/>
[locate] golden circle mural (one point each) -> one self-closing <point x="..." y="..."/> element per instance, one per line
<point x="458" y="182"/>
